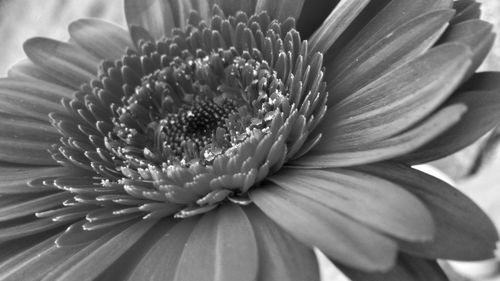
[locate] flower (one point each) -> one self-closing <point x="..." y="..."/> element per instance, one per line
<point x="212" y="142"/>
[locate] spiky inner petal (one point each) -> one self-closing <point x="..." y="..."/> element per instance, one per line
<point x="191" y="121"/>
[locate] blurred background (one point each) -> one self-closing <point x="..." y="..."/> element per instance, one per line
<point x="475" y="170"/>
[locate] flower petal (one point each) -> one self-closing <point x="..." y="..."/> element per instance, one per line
<point x="67" y="63"/>
<point x="221" y="247"/>
<point x="313" y="13"/>
<point x="35" y="262"/>
<point x="231" y="7"/>
<point x="31" y="98"/>
<point x="27" y="227"/>
<point x="25" y="140"/>
<point x="369" y="200"/>
<point x="395" y="101"/>
<point x="395" y="14"/>
<point x="466" y="10"/>
<point x="477" y="35"/>
<point x="156" y="16"/>
<point x="335" y="24"/>
<point x="27" y="207"/>
<point x="100" y="38"/>
<point x="15" y="178"/>
<point x="344" y="240"/>
<point x="280" y="9"/>
<point x="402" y="45"/>
<point x="281" y="257"/>
<point x="388" y="148"/>
<point x="407" y="268"/>
<point x="482" y="97"/>
<point x="86" y="268"/>
<point x="26" y="69"/>
<point x="156" y="265"/>
<point x="463" y="230"/>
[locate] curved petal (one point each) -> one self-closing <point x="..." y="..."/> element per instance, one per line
<point x="463" y="230"/>
<point x="15" y="179"/>
<point x="314" y="224"/>
<point x="466" y="10"/>
<point x="67" y="63"/>
<point x="156" y="265"/>
<point x="395" y="101"/>
<point x="389" y="148"/>
<point x="27" y="70"/>
<point x="407" y="268"/>
<point x="403" y="44"/>
<point x="25" y="141"/>
<point x="280" y="9"/>
<point x="222" y="247"/>
<point x="482" y="97"/>
<point x="28" y="207"/>
<point x="231" y="7"/>
<point x="281" y="257"/>
<point x="158" y="17"/>
<point x="372" y="201"/>
<point x="335" y="24"/>
<point x="392" y="16"/>
<point x="32" y="98"/>
<point x="100" y="38"/>
<point x="476" y="34"/>
<point x="86" y="267"/>
<point x="313" y="14"/>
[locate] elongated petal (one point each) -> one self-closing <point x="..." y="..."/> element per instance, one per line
<point x="476" y="34"/>
<point x="100" y="38"/>
<point x="395" y="14"/>
<point x="466" y="10"/>
<point x="23" y="208"/>
<point x="343" y="239"/>
<point x="26" y="69"/>
<point x="404" y="44"/>
<point x="156" y="264"/>
<point x="463" y="230"/>
<point x="369" y="200"/>
<point x="156" y="16"/>
<point x="388" y="148"/>
<point x="222" y="247"/>
<point x="27" y="228"/>
<point x="67" y="63"/>
<point x="396" y="101"/>
<point x="231" y="7"/>
<point x="281" y="257"/>
<point x="335" y="24"/>
<point x="280" y="9"/>
<point x="25" y="140"/>
<point x="407" y="268"/>
<point x="109" y="252"/>
<point x="32" y="98"/>
<point x="15" y="179"/>
<point x="482" y="97"/>
<point x="35" y="262"/>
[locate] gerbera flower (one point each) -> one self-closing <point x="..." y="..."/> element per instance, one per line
<point x="224" y="141"/>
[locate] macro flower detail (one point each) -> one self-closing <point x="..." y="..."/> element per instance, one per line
<point x="227" y="140"/>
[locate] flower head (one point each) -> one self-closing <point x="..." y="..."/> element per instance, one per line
<point x="225" y="141"/>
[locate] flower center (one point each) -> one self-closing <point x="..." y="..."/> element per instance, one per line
<point x="195" y="120"/>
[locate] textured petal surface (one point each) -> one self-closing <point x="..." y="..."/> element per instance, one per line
<point x="389" y="148"/>
<point x="280" y="9"/>
<point x="32" y="98"/>
<point x="378" y="203"/>
<point x="335" y="24"/>
<point x="407" y="268"/>
<point x="281" y="257"/>
<point x="341" y="238"/>
<point x="395" y="101"/>
<point x="222" y="247"/>
<point x="100" y="38"/>
<point x="482" y="96"/>
<point x="15" y="178"/>
<point x="86" y="268"/>
<point x="67" y="63"/>
<point x="404" y="44"/>
<point x="463" y="230"/>
<point x="24" y="140"/>
<point x="156" y="16"/>
<point x="156" y="264"/>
